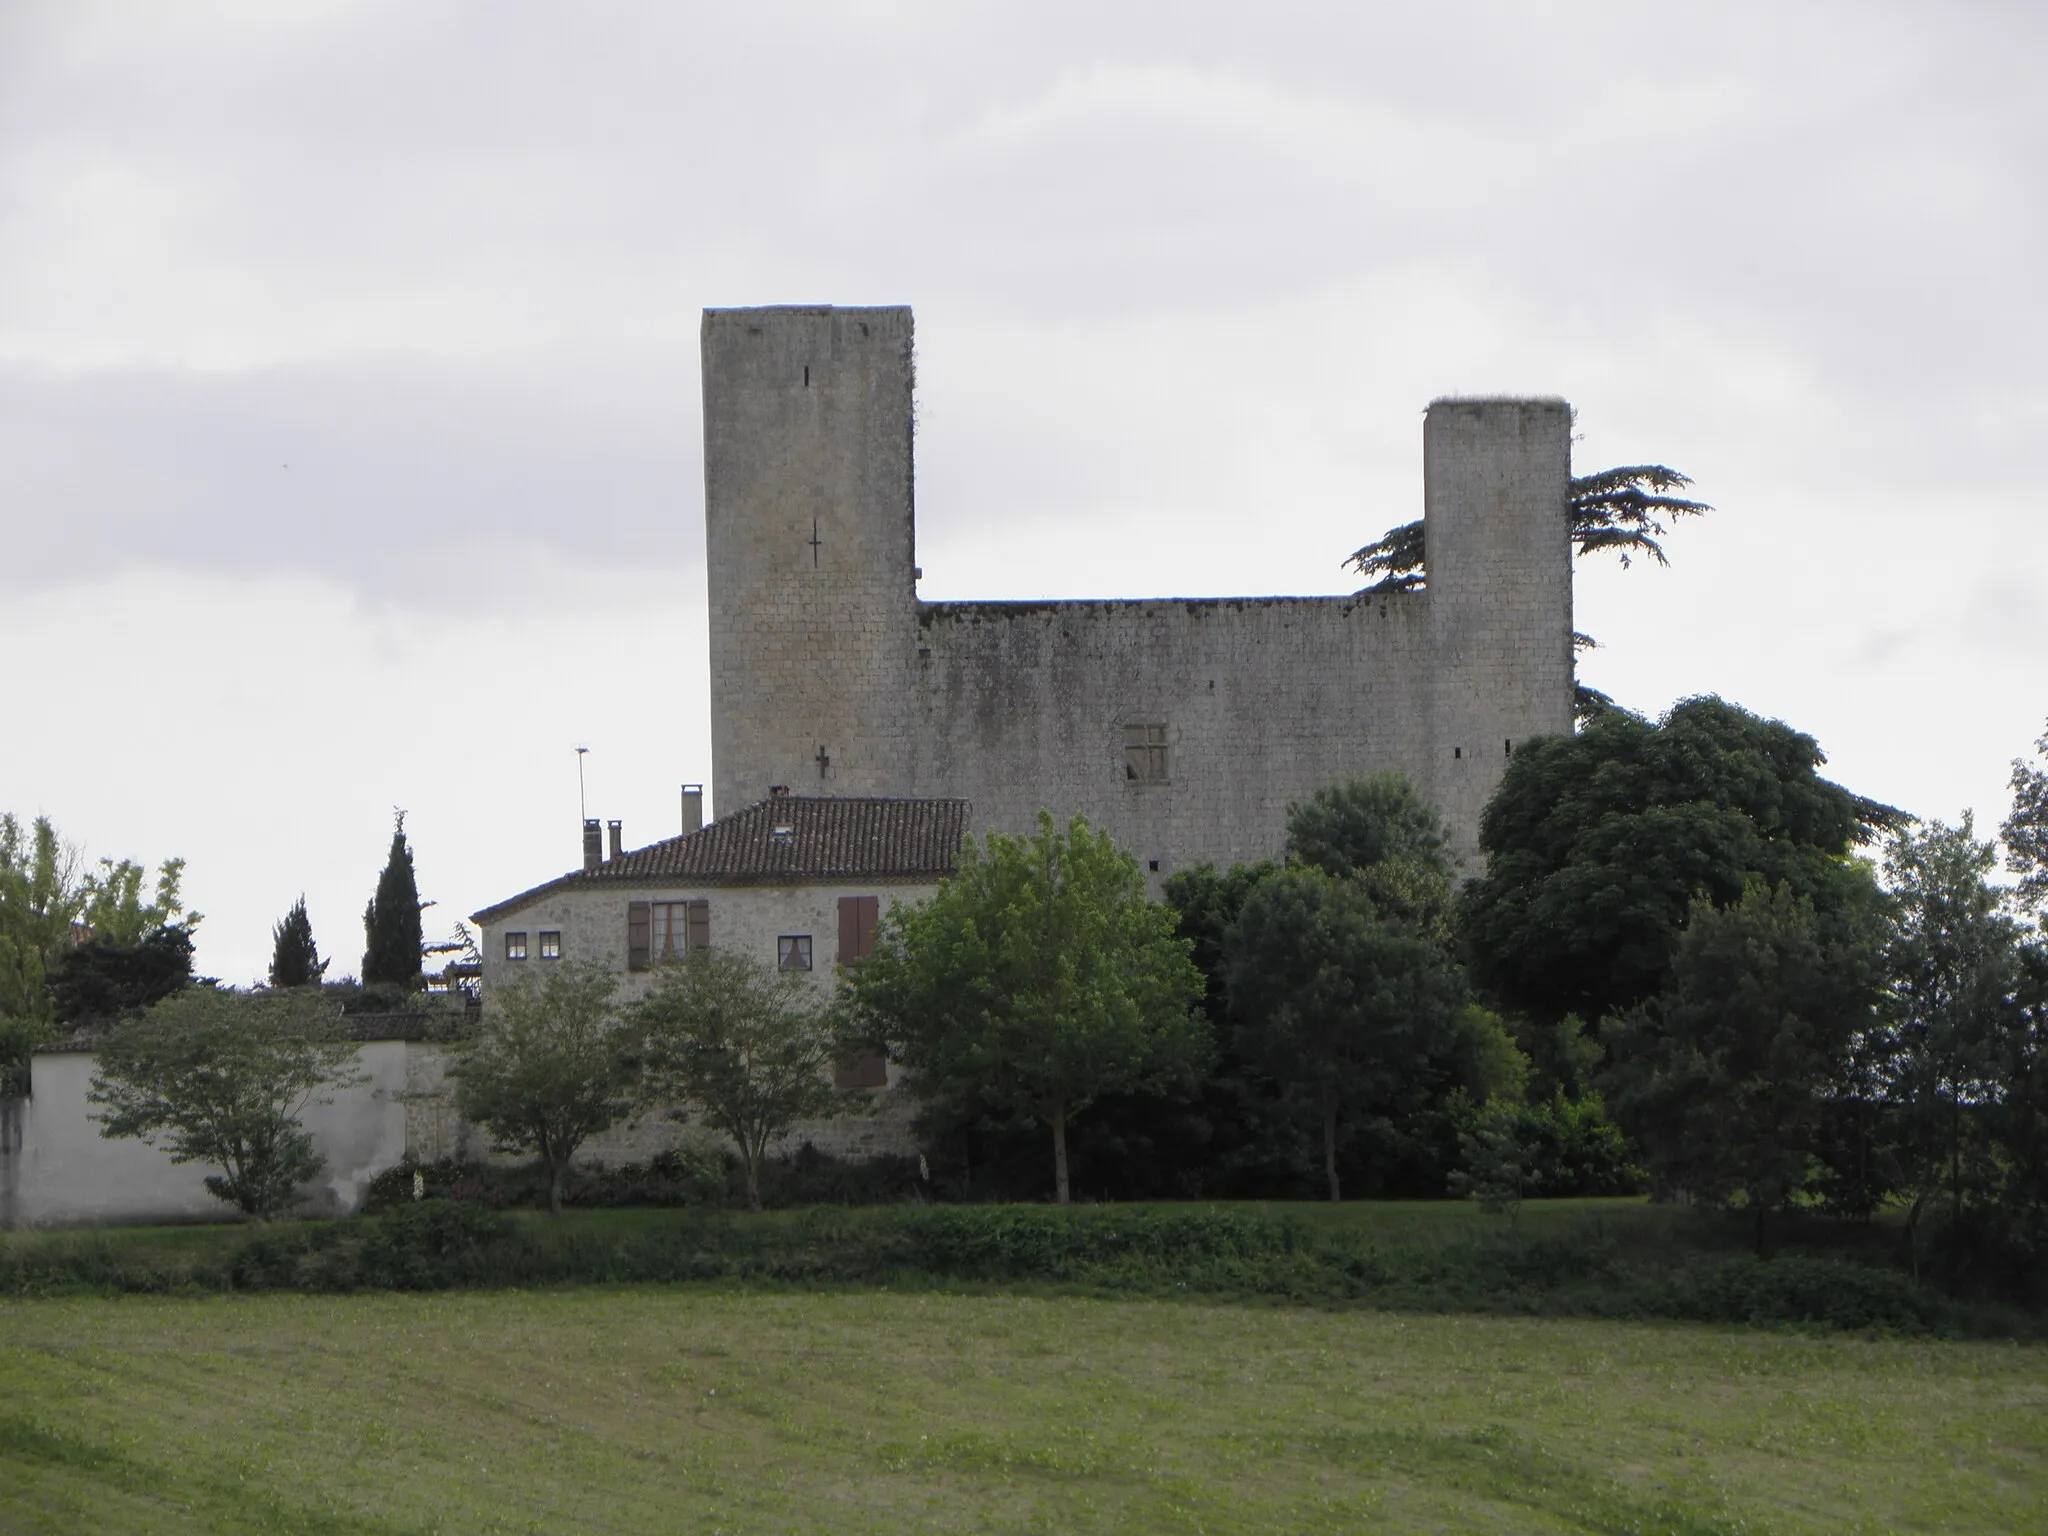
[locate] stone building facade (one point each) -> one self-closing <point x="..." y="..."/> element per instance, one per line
<point x="797" y="881"/>
<point x="1183" y="726"/>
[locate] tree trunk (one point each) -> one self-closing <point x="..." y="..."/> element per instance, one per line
<point x="1330" y="1147"/>
<point x="1059" y="1152"/>
<point x="557" y="1177"/>
<point x="1761" y="1213"/>
<point x="752" y="1160"/>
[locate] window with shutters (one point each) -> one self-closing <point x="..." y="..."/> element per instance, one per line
<point x="665" y="930"/>
<point x="1145" y="754"/>
<point x="515" y="946"/>
<point x="857" y="918"/>
<point x="793" y="952"/>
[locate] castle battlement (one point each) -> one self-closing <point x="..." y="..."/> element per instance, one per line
<point x="1182" y="725"/>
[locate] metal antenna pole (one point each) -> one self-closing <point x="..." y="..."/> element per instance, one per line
<point x="582" y="806"/>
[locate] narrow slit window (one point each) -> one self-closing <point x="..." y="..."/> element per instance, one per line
<point x="1145" y="754"/>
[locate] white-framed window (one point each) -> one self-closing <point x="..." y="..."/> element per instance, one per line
<point x="793" y="952"/>
<point x="670" y="935"/>
<point x="515" y="946"/>
<point x="550" y="944"/>
<point x="1145" y="754"/>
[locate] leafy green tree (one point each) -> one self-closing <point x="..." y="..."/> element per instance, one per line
<point x="551" y="1068"/>
<point x="1369" y="826"/>
<point x="1598" y="844"/>
<point x="2026" y="830"/>
<point x="1038" y="979"/>
<point x="49" y="901"/>
<point x="1205" y="901"/>
<point x="748" y="1048"/>
<point x="1497" y="1170"/>
<point x="221" y="1078"/>
<point x="391" y="922"/>
<point x="1724" y="1079"/>
<point x="1951" y="1005"/>
<point x="1340" y="1002"/>
<point x="294" y="958"/>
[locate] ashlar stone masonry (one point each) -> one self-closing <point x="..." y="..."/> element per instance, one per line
<point x="1183" y="726"/>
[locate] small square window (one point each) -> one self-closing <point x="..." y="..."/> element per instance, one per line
<point x="1145" y="754"/>
<point x="793" y="952"/>
<point x="515" y="946"/>
<point x="550" y="945"/>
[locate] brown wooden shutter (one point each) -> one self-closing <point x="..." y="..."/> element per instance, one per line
<point x="700" y="925"/>
<point x="866" y="910"/>
<point x="639" y="926"/>
<point x="849" y="931"/>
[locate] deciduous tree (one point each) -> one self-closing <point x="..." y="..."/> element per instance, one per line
<point x="551" y="1067"/>
<point x="1339" y="1000"/>
<point x="1952" y="972"/>
<point x="221" y="1078"/>
<point x="746" y="1048"/>
<point x="1724" y="1078"/>
<point x="1598" y="844"/>
<point x="1038" y="979"/>
<point x="50" y="901"/>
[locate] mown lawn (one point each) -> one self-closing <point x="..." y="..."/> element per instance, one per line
<point x="700" y="1409"/>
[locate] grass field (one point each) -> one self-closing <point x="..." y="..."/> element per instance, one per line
<point x="701" y="1409"/>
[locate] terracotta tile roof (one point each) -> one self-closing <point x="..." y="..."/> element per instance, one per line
<point x="788" y="840"/>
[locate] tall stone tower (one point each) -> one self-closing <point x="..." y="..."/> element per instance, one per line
<point x="1496" y="476"/>
<point x="808" y="492"/>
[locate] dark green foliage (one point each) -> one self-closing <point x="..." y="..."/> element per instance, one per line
<point x="1362" y="826"/>
<point x="1574" y="1267"/>
<point x="294" y="958"/>
<point x="688" y="1177"/>
<point x="391" y="922"/>
<point x="1205" y="902"/>
<point x="1597" y="846"/>
<point x="1399" y="559"/>
<point x="1624" y="510"/>
<point x="1724" y="1080"/>
<point x="1574" y="1148"/>
<point x="1952" y="1015"/>
<point x="1341" y="1004"/>
<point x="1038" y="979"/>
<point x="2026" y="830"/>
<point x="103" y="979"/>
<point x="49" y="902"/>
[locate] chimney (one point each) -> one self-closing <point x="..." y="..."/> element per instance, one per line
<point x="693" y="808"/>
<point x="593" y="846"/>
<point x="618" y="838"/>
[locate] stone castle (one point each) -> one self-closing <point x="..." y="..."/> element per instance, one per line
<point x="1183" y="726"/>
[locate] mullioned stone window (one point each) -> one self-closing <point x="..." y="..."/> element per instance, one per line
<point x="1145" y="754"/>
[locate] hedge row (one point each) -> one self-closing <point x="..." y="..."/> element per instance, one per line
<point x="445" y="1244"/>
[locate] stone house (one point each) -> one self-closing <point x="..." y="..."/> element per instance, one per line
<point x="797" y="881"/>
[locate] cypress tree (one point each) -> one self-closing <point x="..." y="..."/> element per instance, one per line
<point x="294" y="960"/>
<point x="391" y="922"/>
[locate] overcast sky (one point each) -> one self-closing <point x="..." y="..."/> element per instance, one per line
<point x="349" y="418"/>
